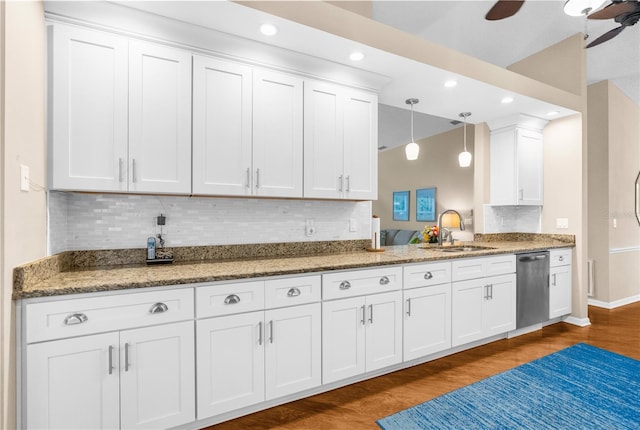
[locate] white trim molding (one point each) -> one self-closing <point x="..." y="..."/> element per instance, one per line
<point x="580" y="322"/>
<point x="614" y="304"/>
<point x="625" y="249"/>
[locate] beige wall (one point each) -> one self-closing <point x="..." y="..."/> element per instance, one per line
<point x="614" y="163"/>
<point x="22" y="140"/>
<point x="437" y="166"/>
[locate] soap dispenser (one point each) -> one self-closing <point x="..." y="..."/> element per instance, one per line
<point x="151" y="248"/>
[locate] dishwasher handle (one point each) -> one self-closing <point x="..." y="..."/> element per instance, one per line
<point x="526" y="258"/>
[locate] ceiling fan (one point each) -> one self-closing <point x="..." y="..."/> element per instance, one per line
<point x="624" y="12"/>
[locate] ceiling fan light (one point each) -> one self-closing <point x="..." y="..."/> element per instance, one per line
<point x="581" y="7"/>
<point x="411" y="151"/>
<point x="464" y="159"/>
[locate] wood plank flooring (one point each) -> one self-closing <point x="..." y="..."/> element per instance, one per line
<point x="358" y="406"/>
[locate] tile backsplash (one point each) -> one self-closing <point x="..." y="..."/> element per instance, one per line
<point x="80" y="221"/>
<point x="510" y="219"/>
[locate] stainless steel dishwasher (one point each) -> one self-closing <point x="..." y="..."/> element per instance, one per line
<point x="532" y="288"/>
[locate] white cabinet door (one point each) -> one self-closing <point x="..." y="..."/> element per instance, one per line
<point x="159" y="119"/>
<point x="88" y="110"/>
<point x="157" y="376"/>
<point x="383" y="330"/>
<point x="361" y="146"/>
<point x="73" y="383"/>
<point x="559" y="291"/>
<point x="230" y="363"/>
<point x="467" y="311"/>
<point x="427" y="321"/>
<point x="277" y="134"/>
<point x="343" y="339"/>
<point x="222" y="117"/>
<point x="499" y="313"/>
<point x="323" y="140"/>
<point x="292" y="352"/>
<point x="529" y="167"/>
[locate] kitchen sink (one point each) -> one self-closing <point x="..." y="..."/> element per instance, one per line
<point x="469" y="248"/>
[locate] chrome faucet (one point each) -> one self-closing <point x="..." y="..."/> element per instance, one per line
<point x="440" y="228"/>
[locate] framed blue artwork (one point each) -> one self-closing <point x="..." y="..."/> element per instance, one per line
<point x="426" y="204"/>
<point x="401" y="205"/>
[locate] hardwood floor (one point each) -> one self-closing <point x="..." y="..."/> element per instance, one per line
<point x="358" y="406"/>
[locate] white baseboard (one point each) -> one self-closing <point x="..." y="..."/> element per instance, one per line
<point x="580" y="322"/>
<point x="614" y="304"/>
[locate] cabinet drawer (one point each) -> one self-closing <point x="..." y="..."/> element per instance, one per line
<point x="225" y="299"/>
<point x="560" y="257"/>
<point x="359" y="282"/>
<point x="474" y="268"/>
<point x="75" y="317"/>
<point x="424" y="275"/>
<point x="292" y="291"/>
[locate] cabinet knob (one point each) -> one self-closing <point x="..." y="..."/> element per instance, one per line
<point x="73" y="319"/>
<point x="428" y="275"/>
<point x="561" y="258"/>
<point x="158" y="308"/>
<point x="384" y="280"/>
<point x="293" y="292"/>
<point x="345" y="285"/>
<point x="231" y="299"/>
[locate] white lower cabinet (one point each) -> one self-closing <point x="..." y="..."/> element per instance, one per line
<point x="361" y="334"/>
<point x="248" y="358"/>
<point x="560" y="283"/>
<point x="141" y="378"/>
<point x="427" y="321"/>
<point x="482" y="308"/>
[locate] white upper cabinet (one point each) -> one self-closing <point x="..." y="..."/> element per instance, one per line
<point x="277" y="134"/>
<point x="222" y="124"/>
<point x="159" y="119"/>
<point x="88" y="110"/>
<point x="517" y="162"/>
<point x="340" y="142"/>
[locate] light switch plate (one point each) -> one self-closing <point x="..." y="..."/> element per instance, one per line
<point x="562" y="222"/>
<point x="24" y="178"/>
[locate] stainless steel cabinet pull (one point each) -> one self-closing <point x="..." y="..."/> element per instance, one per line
<point x="363" y="316"/>
<point x="78" y="318"/>
<point x="257" y="178"/>
<point x="134" y="177"/>
<point x="554" y="279"/>
<point x="248" y="177"/>
<point x="345" y="285"/>
<point x="491" y="291"/>
<point x="521" y="194"/>
<point x="231" y="299"/>
<point x="120" y="169"/>
<point x="348" y="183"/>
<point x="293" y="292"/>
<point x="158" y="308"/>
<point x="486" y="292"/>
<point x="341" y="180"/>
<point x="408" y="307"/>
<point x="428" y="275"/>
<point x="370" y="314"/>
<point x="260" y="333"/>
<point x="271" y="331"/>
<point x="110" y="359"/>
<point x="384" y="280"/>
<point x="126" y="357"/>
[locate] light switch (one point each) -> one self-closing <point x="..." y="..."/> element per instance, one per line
<point x="353" y="225"/>
<point x="24" y="178"/>
<point x="562" y="222"/>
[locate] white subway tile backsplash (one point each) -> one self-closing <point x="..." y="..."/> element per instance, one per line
<point x="512" y="219"/>
<point x="110" y="221"/>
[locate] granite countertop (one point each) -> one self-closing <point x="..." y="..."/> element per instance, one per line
<point x="58" y="275"/>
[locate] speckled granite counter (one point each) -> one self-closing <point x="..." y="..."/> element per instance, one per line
<point x="93" y="271"/>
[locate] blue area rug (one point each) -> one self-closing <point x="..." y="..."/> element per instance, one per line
<point x="580" y="387"/>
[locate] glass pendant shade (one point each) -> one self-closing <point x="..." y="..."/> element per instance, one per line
<point x="411" y="151"/>
<point x="464" y="158"/>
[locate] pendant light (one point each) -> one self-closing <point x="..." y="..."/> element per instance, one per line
<point x="412" y="149"/>
<point x="464" y="159"/>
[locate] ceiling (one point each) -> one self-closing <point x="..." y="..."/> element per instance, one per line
<point x="459" y="25"/>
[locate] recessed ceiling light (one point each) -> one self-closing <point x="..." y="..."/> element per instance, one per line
<point x="506" y="100"/>
<point x="451" y="83"/>
<point x="268" y="29"/>
<point x="356" y="56"/>
<point x="553" y="113"/>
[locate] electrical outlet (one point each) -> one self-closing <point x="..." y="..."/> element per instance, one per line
<point x="562" y="223"/>
<point x="353" y="225"/>
<point x="310" y="228"/>
<point x="615" y="223"/>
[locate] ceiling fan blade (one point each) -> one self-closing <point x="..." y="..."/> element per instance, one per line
<point x="607" y="36"/>
<point x="504" y="9"/>
<point x="615" y="9"/>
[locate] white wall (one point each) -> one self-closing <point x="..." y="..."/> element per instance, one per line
<point x="22" y="141"/>
<point x="111" y="221"/>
